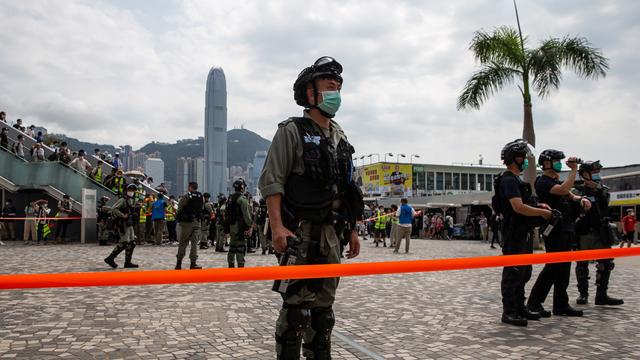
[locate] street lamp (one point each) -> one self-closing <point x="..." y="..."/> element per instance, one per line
<point x="376" y="154"/>
<point x="362" y="158"/>
<point x="413" y="156"/>
<point x="385" y="156"/>
<point x="398" y="155"/>
<point x="369" y="156"/>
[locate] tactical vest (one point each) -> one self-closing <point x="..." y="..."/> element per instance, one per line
<point x="192" y="210"/>
<point x="593" y="219"/>
<point x="327" y="171"/>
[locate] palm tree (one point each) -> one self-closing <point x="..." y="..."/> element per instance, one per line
<point x="504" y="58"/>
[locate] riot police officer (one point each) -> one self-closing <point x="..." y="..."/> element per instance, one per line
<point x="189" y="212"/>
<point x="593" y="232"/>
<point x="126" y="215"/>
<point x="307" y="177"/>
<point x="240" y="219"/>
<point x="205" y="219"/>
<point x="103" y="220"/>
<point x="221" y="237"/>
<point x="513" y="199"/>
<point x="559" y="197"/>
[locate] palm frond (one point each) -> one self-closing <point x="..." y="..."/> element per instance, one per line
<point x="482" y="84"/>
<point x="585" y="60"/>
<point x="502" y="46"/>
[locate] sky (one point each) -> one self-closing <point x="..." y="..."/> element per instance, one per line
<point x="133" y="71"/>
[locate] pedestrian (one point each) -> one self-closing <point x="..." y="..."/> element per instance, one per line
<point x="31" y="132"/>
<point x="261" y="223"/>
<point x="484" y="227"/>
<point x="393" y="237"/>
<point x="141" y="227"/>
<point x="63" y="153"/>
<point x="239" y="217"/>
<point x="117" y="163"/>
<point x="448" y="226"/>
<point x="513" y="199"/>
<point x="42" y="223"/>
<point x="30" y="233"/>
<point x="170" y="216"/>
<point x="405" y="215"/>
<point x="308" y="166"/>
<point x="18" y="147"/>
<point x="39" y="137"/>
<point x="496" y="225"/>
<point x="158" y="214"/>
<point x="125" y="215"/>
<point x="3" y="117"/>
<point x="558" y="196"/>
<point x="593" y="232"/>
<point x="18" y="125"/>
<point x="37" y="152"/>
<point x="8" y="211"/>
<point x="189" y="213"/>
<point x="4" y="139"/>
<point x="628" y="228"/>
<point x="64" y="211"/>
<point x="80" y="164"/>
<point x="380" y="227"/>
<point x="96" y="174"/>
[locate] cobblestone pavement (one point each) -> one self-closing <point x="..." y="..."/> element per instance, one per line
<point x="444" y="315"/>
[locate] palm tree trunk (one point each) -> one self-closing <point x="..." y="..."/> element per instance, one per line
<point x="528" y="133"/>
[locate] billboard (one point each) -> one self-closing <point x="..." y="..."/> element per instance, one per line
<point x="384" y="179"/>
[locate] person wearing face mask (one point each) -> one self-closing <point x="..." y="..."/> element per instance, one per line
<point x="558" y="195"/>
<point x="307" y="183"/>
<point x="125" y="216"/>
<point x="513" y="201"/>
<point x="593" y="232"/>
<point x="628" y="228"/>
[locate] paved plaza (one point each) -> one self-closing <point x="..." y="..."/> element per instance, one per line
<point x="443" y="315"/>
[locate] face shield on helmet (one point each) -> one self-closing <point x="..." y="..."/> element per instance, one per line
<point x="325" y="66"/>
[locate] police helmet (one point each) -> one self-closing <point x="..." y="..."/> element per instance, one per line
<point x="325" y="65"/>
<point x="518" y="147"/>
<point x="105" y="199"/>
<point x="589" y="166"/>
<point x="206" y="195"/>
<point x="132" y="187"/>
<point x="239" y="185"/>
<point x="222" y="198"/>
<point x="550" y="155"/>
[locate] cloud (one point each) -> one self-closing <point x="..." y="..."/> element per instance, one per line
<point x="137" y="71"/>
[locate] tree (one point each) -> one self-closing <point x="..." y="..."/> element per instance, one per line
<point x="504" y="58"/>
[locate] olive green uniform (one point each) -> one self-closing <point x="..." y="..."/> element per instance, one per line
<point x="220" y="235"/>
<point x="237" y="241"/>
<point x="285" y="158"/>
<point x="204" y="224"/>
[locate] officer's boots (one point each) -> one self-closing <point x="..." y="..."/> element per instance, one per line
<point x="602" y="283"/>
<point x="582" y="298"/>
<point x="514" y="319"/>
<point x="179" y="264"/>
<point x="127" y="259"/>
<point x="111" y="259"/>
<point x="195" y="266"/>
<point x="582" y="278"/>
<point x="203" y="245"/>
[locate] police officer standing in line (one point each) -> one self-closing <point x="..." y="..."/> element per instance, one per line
<point x="207" y="214"/>
<point x="306" y="177"/>
<point x="593" y="232"/>
<point x="189" y="212"/>
<point x="261" y="221"/>
<point x="103" y="220"/>
<point x="126" y="217"/>
<point x="557" y="195"/>
<point x="514" y="201"/>
<point x="239" y="213"/>
<point x="220" y="215"/>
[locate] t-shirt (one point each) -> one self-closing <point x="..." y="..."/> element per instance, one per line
<point x="544" y="184"/>
<point x="157" y="209"/>
<point x="509" y="189"/>
<point x="629" y="223"/>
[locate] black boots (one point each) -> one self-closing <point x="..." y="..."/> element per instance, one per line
<point x="539" y="309"/>
<point x="582" y="299"/>
<point x="604" y="299"/>
<point x="528" y="314"/>
<point x="514" y="319"/>
<point x="567" y="311"/>
<point x="128" y="253"/>
<point x="179" y="265"/>
<point x="195" y="266"/>
<point x="110" y="260"/>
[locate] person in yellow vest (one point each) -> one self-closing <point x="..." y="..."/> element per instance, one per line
<point x="119" y="183"/>
<point x="148" y="226"/>
<point x="380" y="232"/>
<point x="96" y="174"/>
<point x="170" y="217"/>
<point x="394" y="226"/>
<point x="142" y="223"/>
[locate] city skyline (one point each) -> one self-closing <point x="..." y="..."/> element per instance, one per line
<point x="215" y="132"/>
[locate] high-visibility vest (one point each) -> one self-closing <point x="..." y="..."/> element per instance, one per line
<point x="143" y="216"/>
<point x="381" y="221"/>
<point x="118" y="185"/>
<point x="170" y="214"/>
<point x="98" y="176"/>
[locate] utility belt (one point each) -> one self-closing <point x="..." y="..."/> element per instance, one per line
<point x="237" y="249"/>
<point x="182" y="217"/>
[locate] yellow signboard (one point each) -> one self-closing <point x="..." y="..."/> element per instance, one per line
<point x="385" y="179"/>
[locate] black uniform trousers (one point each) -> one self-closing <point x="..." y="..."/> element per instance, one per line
<point x="514" y="278"/>
<point x="556" y="275"/>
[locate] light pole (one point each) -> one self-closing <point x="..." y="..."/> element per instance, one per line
<point x="398" y="155"/>
<point x="362" y="158"/>
<point x="369" y="156"/>
<point x="413" y="156"/>
<point x="385" y="156"/>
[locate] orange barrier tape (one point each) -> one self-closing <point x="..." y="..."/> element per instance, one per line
<point x="156" y="277"/>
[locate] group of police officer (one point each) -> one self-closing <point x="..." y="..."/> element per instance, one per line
<point x="571" y="215"/>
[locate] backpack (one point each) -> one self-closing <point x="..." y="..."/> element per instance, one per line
<point x="496" y="204"/>
<point x="231" y="213"/>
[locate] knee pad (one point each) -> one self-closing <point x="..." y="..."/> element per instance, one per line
<point x="607" y="265"/>
<point x="323" y="320"/>
<point x="298" y="318"/>
<point x="131" y="245"/>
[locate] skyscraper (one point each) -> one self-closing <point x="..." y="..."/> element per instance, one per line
<point x="154" y="168"/>
<point x="189" y="170"/>
<point x="215" y="132"/>
<point x="258" y="163"/>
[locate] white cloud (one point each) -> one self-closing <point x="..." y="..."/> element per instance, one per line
<point x="100" y="70"/>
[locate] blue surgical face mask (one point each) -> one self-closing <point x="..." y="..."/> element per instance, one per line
<point x="330" y="102"/>
<point x="557" y="166"/>
<point x="525" y="165"/>
<point x="596" y="177"/>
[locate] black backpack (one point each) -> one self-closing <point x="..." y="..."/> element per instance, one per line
<point x="496" y="204"/>
<point x="231" y="213"/>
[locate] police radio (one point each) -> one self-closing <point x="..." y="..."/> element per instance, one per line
<point x="288" y="258"/>
<point x="556" y="216"/>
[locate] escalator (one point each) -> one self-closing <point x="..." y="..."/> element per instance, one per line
<point x="17" y="174"/>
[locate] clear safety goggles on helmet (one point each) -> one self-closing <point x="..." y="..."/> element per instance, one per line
<point x="327" y="63"/>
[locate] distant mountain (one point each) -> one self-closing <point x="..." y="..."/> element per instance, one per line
<point x="242" y="145"/>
